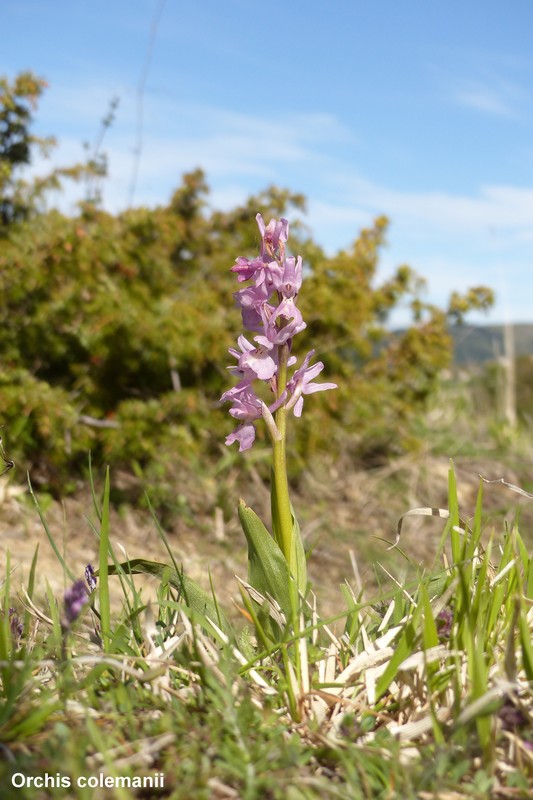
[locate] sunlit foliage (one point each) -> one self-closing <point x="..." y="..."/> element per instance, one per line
<point x="115" y="328"/>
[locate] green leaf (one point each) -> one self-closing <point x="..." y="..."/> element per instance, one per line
<point x="478" y="673"/>
<point x="60" y="558"/>
<point x="403" y="650"/>
<point x="193" y="597"/>
<point x="267" y="568"/>
<point x="298" y="562"/>
<point x="525" y="641"/>
<point x="430" y="635"/>
<point x="529" y="582"/>
<point x="454" y="519"/>
<point x="103" y="571"/>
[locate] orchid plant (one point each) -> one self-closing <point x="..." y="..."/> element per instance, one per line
<point x="270" y="385"/>
<point x="270" y="311"/>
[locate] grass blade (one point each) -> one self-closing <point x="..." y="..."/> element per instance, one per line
<point x="103" y="570"/>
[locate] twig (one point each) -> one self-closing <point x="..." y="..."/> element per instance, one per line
<point x="140" y="101"/>
<point x="98" y="423"/>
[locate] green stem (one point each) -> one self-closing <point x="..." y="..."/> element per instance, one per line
<point x="283" y="510"/>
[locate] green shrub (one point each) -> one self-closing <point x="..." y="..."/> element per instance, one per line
<point x="115" y="332"/>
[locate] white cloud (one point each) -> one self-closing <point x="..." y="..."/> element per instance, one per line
<point x="246" y="149"/>
<point x="484" y="98"/>
<point x="243" y="153"/>
<point x="502" y="209"/>
<point x="453" y="241"/>
<point x="488" y="82"/>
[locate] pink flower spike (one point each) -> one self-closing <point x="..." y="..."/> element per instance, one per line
<point x="269" y="309"/>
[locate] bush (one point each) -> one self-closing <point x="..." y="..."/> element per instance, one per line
<point x="115" y="332"/>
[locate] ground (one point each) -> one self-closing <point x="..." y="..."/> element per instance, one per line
<point x="347" y="517"/>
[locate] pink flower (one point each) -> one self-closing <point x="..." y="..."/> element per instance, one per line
<point x="292" y="322"/>
<point x="246" y="268"/>
<point x="301" y="384"/>
<point x="274" y="235"/>
<point x="247" y="407"/>
<point x="244" y="434"/>
<point x="75" y="598"/>
<point x="288" y="281"/>
<point x="254" y="361"/>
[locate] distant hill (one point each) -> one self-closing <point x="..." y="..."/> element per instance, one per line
<point x="478" y="343"/>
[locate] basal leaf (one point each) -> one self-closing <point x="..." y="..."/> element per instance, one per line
<point x="298" y="563"/>
<point x="267" y="568"/>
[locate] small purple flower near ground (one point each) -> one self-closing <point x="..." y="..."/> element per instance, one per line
<point x="444" y="623"/>
<point x="90" y="577"/>
<point x="75" y="599"/>
<point x="15" y="625"/>
<point x="511" y="716"/>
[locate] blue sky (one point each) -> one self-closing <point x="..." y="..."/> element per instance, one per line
<point x="419" y="110"/>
